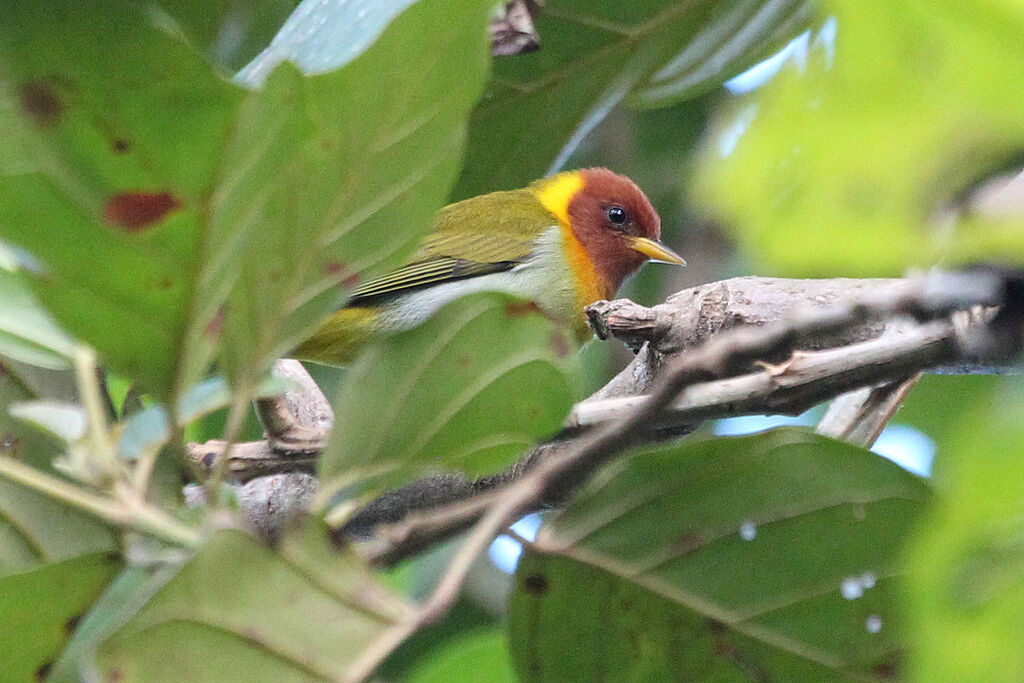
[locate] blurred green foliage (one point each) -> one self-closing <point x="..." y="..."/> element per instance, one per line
<point x="857" y="165"/>
<point x="968" y="559"/>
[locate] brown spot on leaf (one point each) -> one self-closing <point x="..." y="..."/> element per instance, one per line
<point x="164" y="283"/>
<point x="715" y="626"/>
<point x="340" y="272"/>
<point x="216" y="324"/>
<point x="71" y="624"/>
<point x="135" y="211"/>
<point x="120" y="146"/>
<point x="44" y="671"/>
<point x="559" y="344"/>
<point x="729" y="651"/>
<point x="517" y="309"/>
<point x="41" y="103"/>
<point x="9" y="445"/>
<point x="115" y="676"/>
<point x="520" y="308"/>
<point x="252" y="634"/>
<point x="724" y="648"/>
<point x="687" y="543"/>
<point x="462" y="361"/>
<point x="536" y="584"/>
<point x="886" y="671"/>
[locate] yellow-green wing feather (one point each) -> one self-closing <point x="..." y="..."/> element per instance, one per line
<point x="476" y="236"/>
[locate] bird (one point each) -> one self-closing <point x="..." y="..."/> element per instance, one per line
<point x="563" y="242"/>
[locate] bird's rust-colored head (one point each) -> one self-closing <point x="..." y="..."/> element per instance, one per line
<point x="612" y="222"/>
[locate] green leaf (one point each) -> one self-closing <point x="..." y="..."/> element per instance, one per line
<point x="969" y="555"/>
<point x="478" y="655"/>
<point x="35" y="528"/>
<point x="142" y="182"/>
<point x="27" y="332"/>
<point x="726" y="559"/>
<point x="113" y="137"/>
<point x="858" y="166"/>
<point x="39" y="608"/>
<point x="239" y="611"/>
<point x="469" y="389"/>
<point x="593" y="55"/>
<point x="119" y="602"/>
<point x="363" y="158"/>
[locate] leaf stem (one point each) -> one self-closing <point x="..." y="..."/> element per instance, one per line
<point x="232" y="428"/>
<point x="140" y="517"/>
<point x="102" y="449"/>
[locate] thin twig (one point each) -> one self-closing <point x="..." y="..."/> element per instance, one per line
<point x="140" y="517"/>
<point x="232" y="428"/>
<point x="103" y="453"/>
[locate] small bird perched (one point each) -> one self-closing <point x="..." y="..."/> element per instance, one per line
<point x="563" y="242"/>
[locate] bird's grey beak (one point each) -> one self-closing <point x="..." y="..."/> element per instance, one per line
<point x="656" y="251"/>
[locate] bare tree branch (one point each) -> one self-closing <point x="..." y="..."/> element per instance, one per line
<point x="871" y="348"/>
<point x="788" y="384"/>
<point x="731" y="353"/>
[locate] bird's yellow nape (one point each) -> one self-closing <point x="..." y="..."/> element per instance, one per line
<point x="555" y="193"/>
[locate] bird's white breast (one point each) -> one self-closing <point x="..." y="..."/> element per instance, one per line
<point x="543" y="278"/>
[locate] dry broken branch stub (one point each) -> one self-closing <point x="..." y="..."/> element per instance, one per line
<point x="858" y="417"/>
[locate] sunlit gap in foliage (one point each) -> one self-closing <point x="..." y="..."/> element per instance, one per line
<point x="505" y="551"/>
<point x="909" y="448"/>
<point x="796" y="51"/>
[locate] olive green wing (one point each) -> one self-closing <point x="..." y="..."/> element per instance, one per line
<point x="486" y="234"/>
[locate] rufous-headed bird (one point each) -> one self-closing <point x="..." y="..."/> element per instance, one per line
<point x="563" y="242"/>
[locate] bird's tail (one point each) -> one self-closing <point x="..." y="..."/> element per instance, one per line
<point x="340" y="337"/>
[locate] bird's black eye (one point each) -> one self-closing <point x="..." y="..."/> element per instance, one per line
<point x="616" y="215"/>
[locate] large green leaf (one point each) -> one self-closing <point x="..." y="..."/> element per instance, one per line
<point x="39" y="608"/>
<point x="469" y="389"/>
<point x="539" y="106"/>
<point x="240" y="611"/>
<point x="35" y="528"/>
<point x="142" y="181"/>
<point x="113" y="131"/>
<point x="968" y="587"/>
<point x="365" y="155"/>
<point x="856" y="167"/>
<point x="125" y="594"/>
<point x="768" y="557"/>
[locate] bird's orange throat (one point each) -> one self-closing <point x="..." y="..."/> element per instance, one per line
<point x="556" y="195"/>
